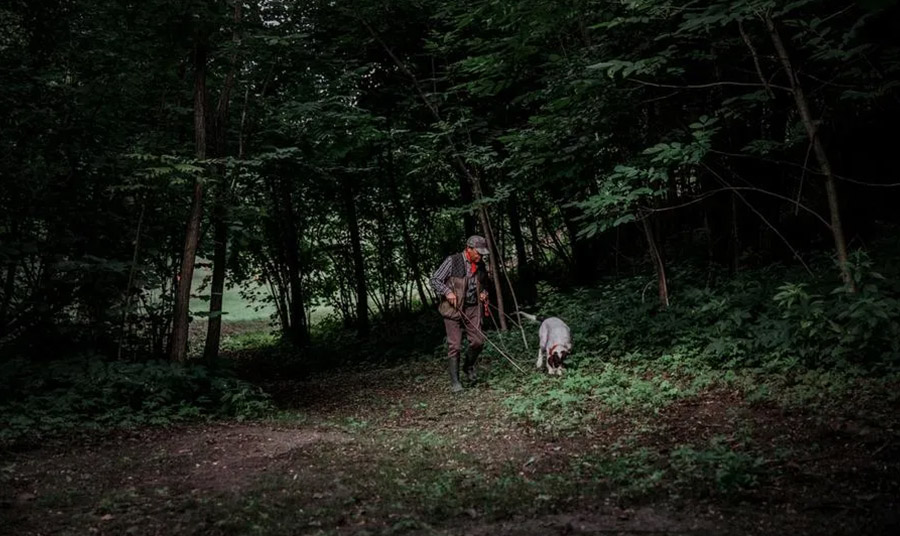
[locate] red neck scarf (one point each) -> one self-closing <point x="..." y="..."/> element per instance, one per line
<point x="474" y="265"/>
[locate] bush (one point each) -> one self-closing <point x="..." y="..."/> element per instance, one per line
<point x="630" y="355"/>
<point x="754" y="319"/>
<point x="90" y="393"/>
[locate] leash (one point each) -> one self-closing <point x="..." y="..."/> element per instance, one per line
<point x="487" y="312"/>
<point x="489" y="341"/>
<point x="517" y="323"/>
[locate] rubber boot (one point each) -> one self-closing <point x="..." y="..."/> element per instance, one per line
<point x="455" y="386"/>
<point x="469" y="366"/>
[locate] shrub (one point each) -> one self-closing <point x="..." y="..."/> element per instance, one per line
<point x="90" y="393"/>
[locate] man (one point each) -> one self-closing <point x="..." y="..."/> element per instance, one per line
<point x="461" y="281"/>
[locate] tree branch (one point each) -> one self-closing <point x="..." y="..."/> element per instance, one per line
<point x="763" y="218"/>
<point x="755" y="56"/>
<point x="743" y="188"/>
<point x="807" y="169"/>
<point x="711" y="84"/>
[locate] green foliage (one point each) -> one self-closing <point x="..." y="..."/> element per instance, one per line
<point x="773" y="340"/>
<point x="247" y="341"/>
<point x="841" y="328"/>
<point x="571" y="403"/>
<point x="720" y="467"/>
<point x="705" y="470"/>
<point x="630" y="473"/>
<point x="749" y="320"/>
<point x="89" y="393"/>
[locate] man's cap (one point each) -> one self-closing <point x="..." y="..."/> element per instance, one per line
<point x="479" y="244"/>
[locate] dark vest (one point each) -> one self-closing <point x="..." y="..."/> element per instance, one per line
<point x="459" y="282"/>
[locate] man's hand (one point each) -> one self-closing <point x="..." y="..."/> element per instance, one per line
<point x="483" y="296"/>
<point x="451" y="297"/>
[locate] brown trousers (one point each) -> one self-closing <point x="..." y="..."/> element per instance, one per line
<point x="472" y="328"/>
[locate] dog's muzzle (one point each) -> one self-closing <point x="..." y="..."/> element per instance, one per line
<point x="555" y="360"/>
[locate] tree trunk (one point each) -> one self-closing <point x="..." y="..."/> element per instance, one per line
<point x="734" y="245"/>
<point x="359" y="268"/>
<point x="411" y="256"/>
<point x="131" y="271"/>
<point x="465" y="193"/>
<point x="9" y="286"/>
<point x="178" y="346"/>
<point x="657" y="259"/>
<point x="558" y="246"/>
<point x="526" y="278"/>
<point x="583" y="260"/>
<point x="214" y="326"/>
<point x="298" y="332"/>
<point x="489" y="236"/>
<point x="385" y="295"/>
<point x="495" y="266"/>
<point x="534" y="235"/>
<point x="811" y="126"/>
<point x="220" y="212"/>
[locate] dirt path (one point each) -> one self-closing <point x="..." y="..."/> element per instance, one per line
<point x="391" y="451"/>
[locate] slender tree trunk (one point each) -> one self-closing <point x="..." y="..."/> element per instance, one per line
<point x="811" y="126"/>
<point x="220" y="211"/>
<point x="217" y="288"/>
<point x="465" y="194"/>
<point x="130" y="283"/>
<point x="734" y="244"/>
<point x="582" y="258"/>
<point x="411" y="254"/>
<point x="279" y="288"/>
<point x="359" y="268"/>
<point x="495" y="267"/>
<point x="616" y="252"/>
<point x="535" y="236"/>
<point x="492" y="246"/>
<point x="298" y="331"/>
<point x="9" y="285"/>
<point x="178" y="349"/>
<point x="385" y="295"/>
<point x="658" y="262"/>
<point x="558" y="246"/>
<point x="526" y="278"/>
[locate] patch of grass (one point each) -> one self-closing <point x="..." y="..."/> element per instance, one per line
<point x="686" y="470"/>
<point x="288" y="416"/>
<point x="420" y="442"/>
<point x="716" y="469"/>
<point x="236" y="302"/>
<point x="569" y="402"/>
<point x="353" y="424"/>
<point x="249" y="339"/>
<point x="623" y="473"/>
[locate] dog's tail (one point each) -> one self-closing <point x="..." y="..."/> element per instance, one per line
<point x="533" y="318"/>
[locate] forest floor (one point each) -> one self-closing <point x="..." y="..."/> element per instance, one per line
<point x="391" y="451"/>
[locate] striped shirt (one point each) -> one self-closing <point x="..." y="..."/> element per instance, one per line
<point x="455" y="265"/>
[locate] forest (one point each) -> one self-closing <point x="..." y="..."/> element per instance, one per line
<point x="220" y="222"/>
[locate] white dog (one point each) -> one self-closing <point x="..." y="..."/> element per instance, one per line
<point x="555" y="343"/>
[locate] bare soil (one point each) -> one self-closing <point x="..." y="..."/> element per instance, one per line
<point x="391" y="451"/>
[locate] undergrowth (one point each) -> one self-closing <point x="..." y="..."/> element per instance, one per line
<point x="777" y="334"/>
<point x="89" y="393"/>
